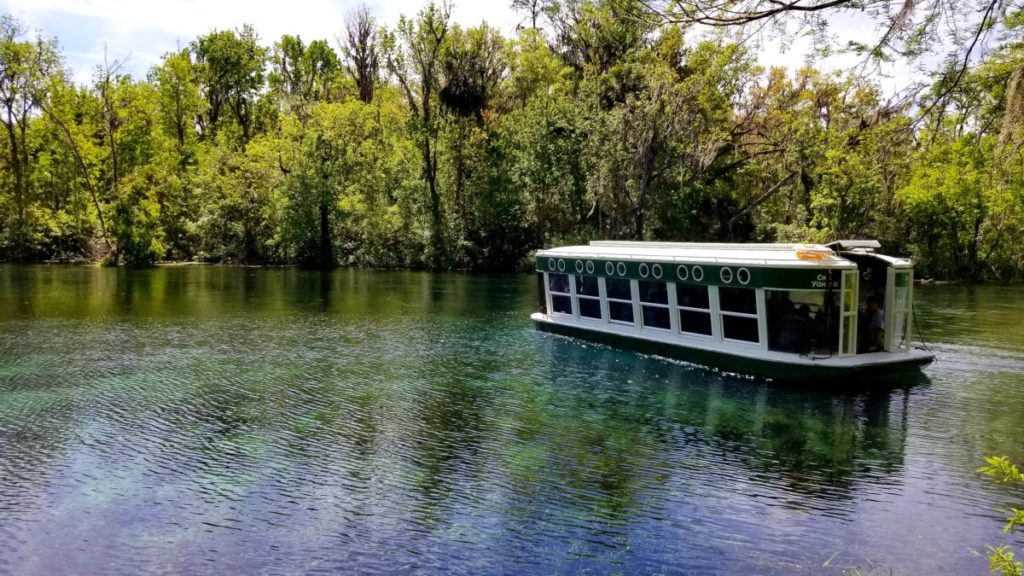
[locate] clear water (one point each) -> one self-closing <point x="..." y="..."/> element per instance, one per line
<point x="228" y="420"/>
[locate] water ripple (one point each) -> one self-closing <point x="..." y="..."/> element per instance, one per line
<point x="223" y="420"/>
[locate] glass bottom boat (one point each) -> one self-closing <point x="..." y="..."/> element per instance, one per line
<point x="780" y="311"/>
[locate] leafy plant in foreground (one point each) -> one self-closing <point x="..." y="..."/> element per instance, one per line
<point x="1001" y="559"/>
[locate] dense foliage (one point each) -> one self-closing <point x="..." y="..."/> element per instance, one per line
<point x="1001" y="559"/>
<point x="433" y="145"/>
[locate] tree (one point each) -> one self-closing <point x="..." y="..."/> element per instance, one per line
<point x="473" y="65"/>
<point x="74" y="113"/>
<point x="533" y="70"/>
<point x="230" y="67"/>
<point x="545" y="151"/>
<point x="947" y="200"/>
<point x="180" y="105"/>
<point x="242" y="190"/>
<point x="362" y="52"/>
<point x="823" y="157"/>
<point x="413" y="53"/>
<point x="130" y="148"/>
<point x="473" y="148"/>
<point x="903" y="29"/>
<point x="25" y="67"/>
<point x="532" y="9"/>
<point x="598" y="34"/>
<point x="333" y="164"/>
<point x="303" y="75"/>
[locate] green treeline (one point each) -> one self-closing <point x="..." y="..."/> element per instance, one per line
<point x="432" y="145"/>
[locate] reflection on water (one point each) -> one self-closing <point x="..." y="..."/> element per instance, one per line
<point x="212" y="420"/>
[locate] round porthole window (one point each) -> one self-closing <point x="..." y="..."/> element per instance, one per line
<point x="551" y="264"/>
<point x="561" y="265"/>
<point x="726" y="275"/>
<point x="645" y="270"/>
<point x="621" y="268"/>
<point x="698" y="273"/>
<point x="579" y="266"/>
<point x="656" y="270"/>
<point x="609" y="268"/>
<point x="743" y="275"/>
<point x="590" y="266"/>
<point x="682" y="273"/>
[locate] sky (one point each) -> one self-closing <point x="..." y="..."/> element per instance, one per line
<point x="139" y="32"/>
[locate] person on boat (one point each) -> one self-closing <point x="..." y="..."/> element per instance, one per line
<point x="795" y="330"/>
<point x="559" y="283"/>
<point x="874" y="326"/>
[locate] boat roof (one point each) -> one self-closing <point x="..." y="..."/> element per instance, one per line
<point x="781" y="255"/>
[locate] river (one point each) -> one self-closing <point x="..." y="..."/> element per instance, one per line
<point x="212" y="420"/>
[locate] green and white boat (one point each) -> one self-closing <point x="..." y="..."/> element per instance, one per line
<point x="780" y="311"/>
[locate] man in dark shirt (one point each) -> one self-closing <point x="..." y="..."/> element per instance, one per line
<point x="874" y="322"/>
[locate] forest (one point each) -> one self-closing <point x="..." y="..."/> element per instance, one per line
<point x="431" y="145"/>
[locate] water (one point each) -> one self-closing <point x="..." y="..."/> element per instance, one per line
<point x="228" y="420"/>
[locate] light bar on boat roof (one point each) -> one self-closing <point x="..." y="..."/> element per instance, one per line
<point x="843" y="245"/>
<point x="690" y="245"/>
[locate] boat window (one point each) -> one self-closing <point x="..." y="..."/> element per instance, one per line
<point x="693" y="296"/>
<point x="558" y="283"/>
<point x="588" y="297"/>
<point x="740" y="328"/>
<point x="694" y="309"/>
<point x="738" y="308"/>
<point x="587" y="286"/>
<point x="796" y="320"/>
<point x="654" y="305"/>
<point x="619" y="288"/>
<point x="620" y="300"/>
<point x="653" y="292"/>
<point x="559" y="287"/>
<point x="742" y="300"/>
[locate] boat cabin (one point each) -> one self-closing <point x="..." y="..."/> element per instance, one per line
<point x="777" y="305"/>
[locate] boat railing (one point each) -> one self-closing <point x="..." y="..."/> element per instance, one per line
<point x="700" y="245"/>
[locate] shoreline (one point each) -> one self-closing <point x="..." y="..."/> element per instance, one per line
<point x="188" y="264"/>
<point x="191" y="263"/>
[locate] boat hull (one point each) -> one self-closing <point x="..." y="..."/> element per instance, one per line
<point x="863" y="368"/>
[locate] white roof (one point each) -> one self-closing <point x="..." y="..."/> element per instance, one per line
<point x="782" y="255"/>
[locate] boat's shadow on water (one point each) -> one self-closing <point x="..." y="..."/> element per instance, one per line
<point x="905" y="380"/>
<point x="816" y="440"/>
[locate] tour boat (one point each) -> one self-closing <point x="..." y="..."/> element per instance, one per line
<point x="780" y="311"/>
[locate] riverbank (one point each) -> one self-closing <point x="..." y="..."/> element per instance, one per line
<point x="526" y="268"/>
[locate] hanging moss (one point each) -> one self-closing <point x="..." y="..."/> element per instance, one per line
<point x="1013" y="117"/>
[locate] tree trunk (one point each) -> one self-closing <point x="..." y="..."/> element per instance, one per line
<point x="430" y="174"/>
<point x="326" y="250"/>
<point x="19" y="185"/>
<point x="436" y="224"/>
<point x="460" y="177"/>
<point x="973" y="247"/>
<point x="179" y="121"/>
<point x="249" y="252"/>
<point x="646" y="175"/>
